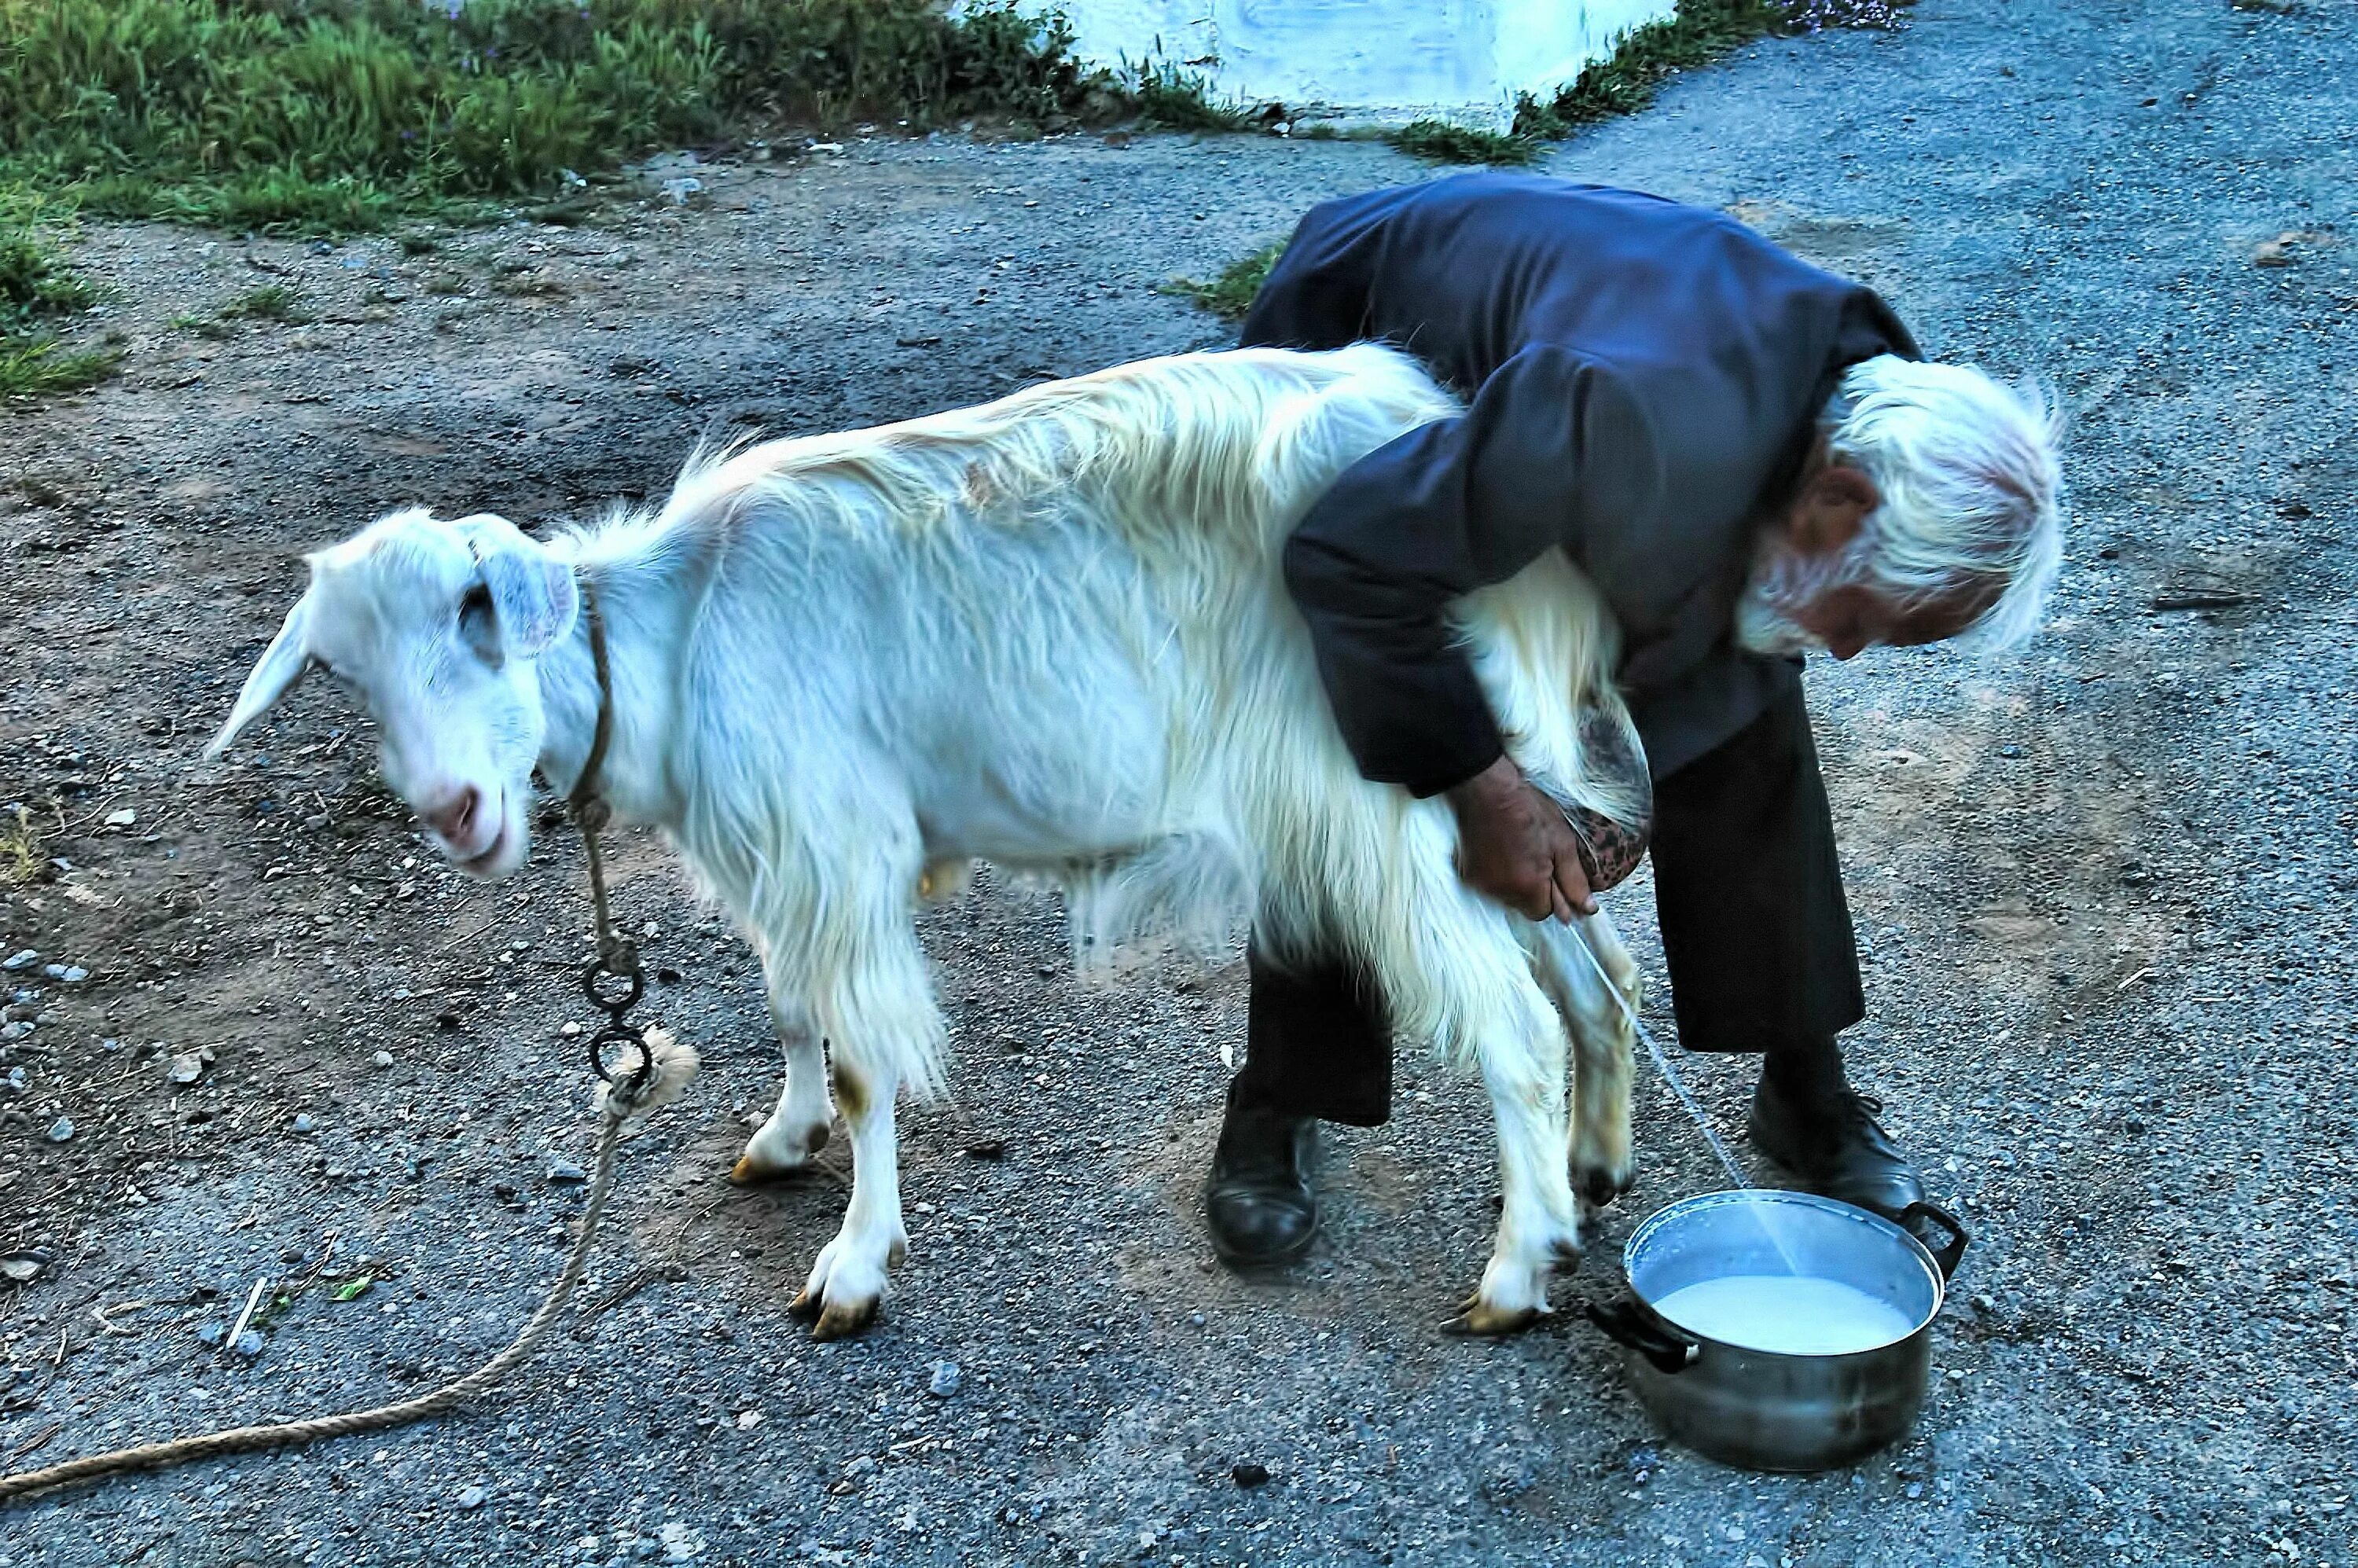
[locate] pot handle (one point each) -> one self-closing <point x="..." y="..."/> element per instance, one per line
<point x="1950" y="1252"/>
<point x="1627" y="1324"/>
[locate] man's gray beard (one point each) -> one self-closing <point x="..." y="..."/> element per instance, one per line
<point x="1763" y="627"/>
<point x="1780" y="583"/>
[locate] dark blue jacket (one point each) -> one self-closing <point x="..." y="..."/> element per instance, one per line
<point x="1645" y="379"/>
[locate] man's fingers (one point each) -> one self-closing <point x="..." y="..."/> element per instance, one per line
<point x="1562" y="910"/>
<point x="1572" y="884"/>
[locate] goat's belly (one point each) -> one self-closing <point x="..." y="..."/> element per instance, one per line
<point x="1021" y="781"/>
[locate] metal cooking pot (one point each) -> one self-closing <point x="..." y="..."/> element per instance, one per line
<point x="1762" y="1410"/>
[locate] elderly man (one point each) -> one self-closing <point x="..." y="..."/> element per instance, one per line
<point x="1746" y="457"/>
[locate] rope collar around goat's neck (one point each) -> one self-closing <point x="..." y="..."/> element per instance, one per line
<point x="613" y="981"/>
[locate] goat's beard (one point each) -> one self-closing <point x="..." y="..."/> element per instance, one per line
<point x="1784" y="581"/>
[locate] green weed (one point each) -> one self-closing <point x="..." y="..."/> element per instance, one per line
<point x="1444" y="142"/>
<point x="37" y="289"/>
<point x="1169" y="95"/>
<point x="20" y="849"/>
<point x="1230" y="294"/>
<point x="211" y="327"/>
<point x="1697" y="33"/>
<point x="272" y="302"/>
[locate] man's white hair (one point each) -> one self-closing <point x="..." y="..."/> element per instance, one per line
<point x="1972" y="488"/>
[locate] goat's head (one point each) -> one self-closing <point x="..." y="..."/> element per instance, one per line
<point x="435" y="626"/>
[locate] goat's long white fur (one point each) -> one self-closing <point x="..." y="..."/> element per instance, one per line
<point x="1051" y="633"/>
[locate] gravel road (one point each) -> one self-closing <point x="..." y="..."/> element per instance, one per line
<point x="2104" y="887"/>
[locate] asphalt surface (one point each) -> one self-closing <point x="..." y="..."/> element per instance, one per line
<point x="2103" y="886"/>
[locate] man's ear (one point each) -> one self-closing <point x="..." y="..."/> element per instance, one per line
<point x="533" y="593"/>
<point x="1834" y="503"/>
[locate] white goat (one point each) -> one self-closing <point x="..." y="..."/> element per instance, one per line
<point x="1051" y="632"/>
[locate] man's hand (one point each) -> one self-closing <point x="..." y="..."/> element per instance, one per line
<point x="1515" y="846"/>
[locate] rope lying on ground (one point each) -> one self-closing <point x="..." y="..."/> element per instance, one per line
<point x="674" y="1064"/>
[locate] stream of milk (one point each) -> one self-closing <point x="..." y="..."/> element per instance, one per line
<point x="1771" y="1224"/>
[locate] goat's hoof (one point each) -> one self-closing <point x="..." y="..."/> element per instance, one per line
<point x="805" y="1307"/>
<point x="751" y="1172"/>
<point x="1478" y="1319"/>
<point x="1600" y="1185"/>
<point x="840" y="1320"/>
<point x="1567" y="1253"/>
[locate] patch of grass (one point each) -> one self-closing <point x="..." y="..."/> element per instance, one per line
<point x="1443" y="142"/>
<point x="211" y="327"/>
<point x="323" y="116"/>
<point x="272" y="302"/>
<point x="1230" y="295"/>
<point x="20" y="849"/>
<point x="1170" y="95"/>
<point x="1697" y="33"/>
<point x="38" y="289"/>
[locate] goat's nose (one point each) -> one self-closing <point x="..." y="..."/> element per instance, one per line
<point x="454" y="818"/>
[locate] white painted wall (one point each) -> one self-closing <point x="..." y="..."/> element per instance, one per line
<point x="1465" y="60"/>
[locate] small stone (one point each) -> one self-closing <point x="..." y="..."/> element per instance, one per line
<point x="988" y="1149"/>
<point x="565" y="1173"/>
<point x="748" y="1420"/>
<point x="16" y="1031"/>
<point x="23" y="1267"/>
<point x="1250" y="1475"/>
<point x="945" y="1380"/>
<point x="382" y="1058"/>
<point x="248" y="1345"/>
<point x="303" y="1125"/>
<point x="471" y="1497"/>
<point x="212" y="1331"/>
<point x="61" y="1131"/>
<point x="123" y="818"/>
<point x="187" y="1069"/>
<point x="18" y="959"/>
<point x="67" y="974"/>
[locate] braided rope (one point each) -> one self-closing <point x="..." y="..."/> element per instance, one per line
<point x="257" y="1439"/>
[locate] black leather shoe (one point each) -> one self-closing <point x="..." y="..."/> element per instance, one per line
<point x="1258" y="1201"/>
<point x="1833" y="1143"/>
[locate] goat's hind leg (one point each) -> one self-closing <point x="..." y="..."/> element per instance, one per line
<point x="1602" y="1046"/>
<point x="1490" y="1009"/>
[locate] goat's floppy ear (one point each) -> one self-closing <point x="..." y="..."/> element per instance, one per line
<point x="281" y="666"/>
<point x="533" y="594"/>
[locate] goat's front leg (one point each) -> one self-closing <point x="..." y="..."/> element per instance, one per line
<point x="799" y="1128"/>
<point x="847" y="1282"/>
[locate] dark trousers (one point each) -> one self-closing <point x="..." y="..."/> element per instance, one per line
<point x="1754" y="924"/>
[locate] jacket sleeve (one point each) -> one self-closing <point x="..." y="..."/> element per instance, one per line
<point x="1315" y="297"/>
<point x="1550" y="446"/>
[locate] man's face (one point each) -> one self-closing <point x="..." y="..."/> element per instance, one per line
<point x="1847" y="621"/>
<point x="1806" y="590"/>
